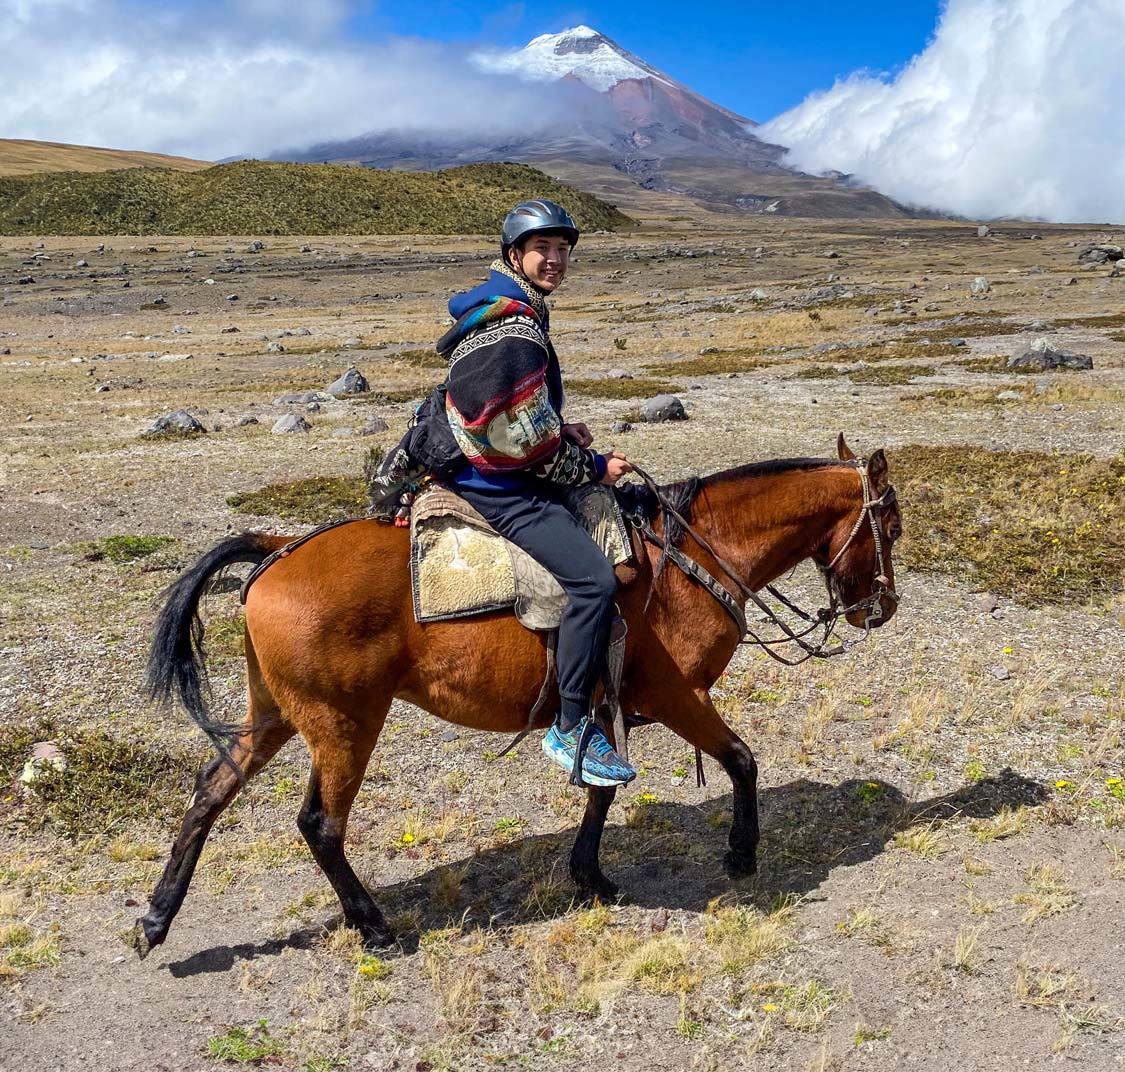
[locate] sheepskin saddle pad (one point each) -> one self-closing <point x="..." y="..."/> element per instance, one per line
<point x="460" y="566"/>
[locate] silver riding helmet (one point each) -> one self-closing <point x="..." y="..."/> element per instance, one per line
<point x="532" y="217"/>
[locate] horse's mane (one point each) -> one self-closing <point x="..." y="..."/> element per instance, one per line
<point x="681" y="494"/>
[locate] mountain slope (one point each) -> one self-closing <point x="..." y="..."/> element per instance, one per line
<point x="251" y="197"/>
<point x="625" y="114"/>
<point x="22" y="157"/>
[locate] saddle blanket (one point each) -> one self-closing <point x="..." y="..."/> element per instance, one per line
<point x="460" y="566"/>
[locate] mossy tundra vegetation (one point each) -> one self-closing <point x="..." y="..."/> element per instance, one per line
<point x="943" y="857"/>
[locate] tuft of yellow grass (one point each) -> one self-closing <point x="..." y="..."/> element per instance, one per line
<point x="1049" y="894"/>
<point x="965" y="949"/>
<point x="742" y="936"/>
<point x="1006" y="823"/>
<point x="928" y="841"/>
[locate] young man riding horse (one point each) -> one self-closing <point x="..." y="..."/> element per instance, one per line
<point x="518" y="457"/>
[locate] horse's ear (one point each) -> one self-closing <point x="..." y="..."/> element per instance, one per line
<point x="843" y="450"/>
<point x="877" y="471"/>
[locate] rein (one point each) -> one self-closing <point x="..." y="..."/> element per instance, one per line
<point x="825" y="619"/>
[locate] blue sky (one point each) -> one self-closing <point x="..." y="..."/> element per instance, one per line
<point x="757" y="58"/>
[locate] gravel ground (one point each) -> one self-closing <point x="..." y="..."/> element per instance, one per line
<point x="942" y="865"/>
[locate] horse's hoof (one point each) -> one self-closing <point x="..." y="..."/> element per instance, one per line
<point x="140" y="941"/>
<point x="740" y="864"/>
<point x="597" y="888"/>
<point x="377" y="937"/>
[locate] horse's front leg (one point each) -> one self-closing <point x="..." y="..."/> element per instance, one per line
<point x="669" y="697"/>
<point x="739" y="763"/>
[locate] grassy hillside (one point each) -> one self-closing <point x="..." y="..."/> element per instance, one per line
<point x="252" y="197"/>
<point x="21" y="157"/>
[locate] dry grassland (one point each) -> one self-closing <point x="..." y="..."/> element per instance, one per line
<point x="943" y="860"/>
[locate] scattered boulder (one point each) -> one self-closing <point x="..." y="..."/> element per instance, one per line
<point x="757" y="294"/>
<point x="1001" y="673"/>
<point x="621" y="427"/>
<point x="983" y="231"/>
<point x="663" y="408"/>
<point x="275" y="348"/>
<point x="351" y="344"/>
<point x="232" y="297"/>
<point x="832" y="255"/>
<point x="291" y="422"/>
<point x="1041" y="356"/>
<point x="618" y="374"/>
<point x="81" y="264"/>
<point x="248" y="419"/>
<point x="25" y="279"/>
<point x="1099" y="253"/>
<point x="178" y="423"/>
<point x="353" y="382"/>
<point x="374" y="426"/>
<point x="306" y="248"/>
<point x="1009" y="396"/>
<point x="232" y="330"/>
<point x="179" y="329"/>
<point x="255" y="247"/>
<point x="160" y="300"/>
<point x="980" y="285"/>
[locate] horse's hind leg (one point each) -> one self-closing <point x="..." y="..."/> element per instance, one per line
<point x="215" y="787"/>
<point x="340" y="750"/>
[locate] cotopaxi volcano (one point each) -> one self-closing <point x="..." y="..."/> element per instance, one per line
<point x="622" y="126"/>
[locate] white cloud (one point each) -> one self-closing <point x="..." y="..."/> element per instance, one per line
<point x="217" y="78"/>
<point x="1015" y="108"/>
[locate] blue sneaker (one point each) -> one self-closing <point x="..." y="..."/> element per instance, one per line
<point x="601" y="765"/>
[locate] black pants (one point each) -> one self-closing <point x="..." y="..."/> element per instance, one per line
<point x="540" y="525"/>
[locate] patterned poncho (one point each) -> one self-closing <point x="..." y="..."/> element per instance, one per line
<point x="504" y="394"/>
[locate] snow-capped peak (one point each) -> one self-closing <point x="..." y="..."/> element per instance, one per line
<point x="580" y="52"/>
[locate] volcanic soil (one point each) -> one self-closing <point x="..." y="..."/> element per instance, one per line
<point x="942" y="867"/>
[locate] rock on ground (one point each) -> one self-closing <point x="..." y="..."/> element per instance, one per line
<point x="177" y="423"/>
<point x="1043" y="356"/>
<point x="353" y="382"/>
<point x="374" y="426"/>
<point x="291" y="422"/>
<point x="1099" y="253"/>
<point x="663" y="408"/>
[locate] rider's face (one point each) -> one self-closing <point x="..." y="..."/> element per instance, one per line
<point x="544" y="260"/>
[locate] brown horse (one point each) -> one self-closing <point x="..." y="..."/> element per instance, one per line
<point x="331" y="640"/>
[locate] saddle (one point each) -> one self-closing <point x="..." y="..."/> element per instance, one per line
<point x="460" y="566"/>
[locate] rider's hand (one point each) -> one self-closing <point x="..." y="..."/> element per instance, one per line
<point x="578" y="433"/>
<point x="616" y="466"/>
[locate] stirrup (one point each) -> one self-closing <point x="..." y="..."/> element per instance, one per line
<point x="585" y="732"/>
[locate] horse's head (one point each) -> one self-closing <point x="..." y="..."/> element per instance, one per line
<point x="857" y="554"/>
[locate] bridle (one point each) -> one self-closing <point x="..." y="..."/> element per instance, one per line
<point x="825" y="619"/>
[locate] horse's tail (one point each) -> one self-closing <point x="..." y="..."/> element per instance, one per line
<point x="176" y="666"/>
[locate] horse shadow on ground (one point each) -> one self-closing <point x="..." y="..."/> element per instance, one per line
<point x="663" y="856"/>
